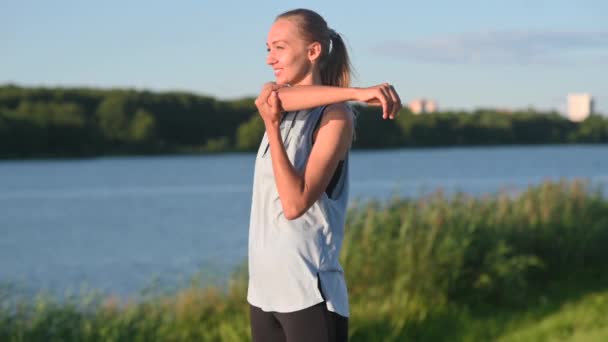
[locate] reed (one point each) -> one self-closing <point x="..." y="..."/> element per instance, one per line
<point x="433" y="268"/>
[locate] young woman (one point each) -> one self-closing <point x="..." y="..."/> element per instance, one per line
<point x="297" y="290"/>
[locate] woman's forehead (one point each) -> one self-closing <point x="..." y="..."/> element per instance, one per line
<point x="282" y="30"/>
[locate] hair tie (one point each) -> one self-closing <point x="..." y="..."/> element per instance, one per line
<point x="333" y="34"/>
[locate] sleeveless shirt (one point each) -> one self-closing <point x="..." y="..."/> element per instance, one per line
<point x="290" y="259"/>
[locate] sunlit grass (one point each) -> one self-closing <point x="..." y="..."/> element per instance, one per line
<point x="526" y="267"/>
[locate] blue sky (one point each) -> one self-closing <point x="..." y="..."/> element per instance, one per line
<point x="465" y="54"/>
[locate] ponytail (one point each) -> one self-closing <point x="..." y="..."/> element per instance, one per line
<point x="336" y="68"/>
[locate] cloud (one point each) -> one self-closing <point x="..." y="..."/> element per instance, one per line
<point x="505" y="47"/>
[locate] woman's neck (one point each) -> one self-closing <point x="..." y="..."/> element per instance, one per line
<point x="312" y="78"/>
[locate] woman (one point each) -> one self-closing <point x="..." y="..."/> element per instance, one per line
<point x="297" y="290"/>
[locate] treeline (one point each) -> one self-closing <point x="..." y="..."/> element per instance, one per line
<point x="81" y="122"/>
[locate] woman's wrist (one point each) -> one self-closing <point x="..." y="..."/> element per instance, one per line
<point x="272" y="125"/>
<point x="356" y="94"/>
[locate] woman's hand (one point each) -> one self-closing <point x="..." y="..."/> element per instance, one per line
<point x="268" y="103"/>
<point x="381" y="95"/>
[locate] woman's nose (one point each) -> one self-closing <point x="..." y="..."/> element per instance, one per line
<point x="270" y="60"/>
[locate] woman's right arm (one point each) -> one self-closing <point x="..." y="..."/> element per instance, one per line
<point x="302" y="97"/>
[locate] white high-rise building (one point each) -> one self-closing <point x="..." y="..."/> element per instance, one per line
<point x="418" y="106"/>
<point x="579" y="106"/>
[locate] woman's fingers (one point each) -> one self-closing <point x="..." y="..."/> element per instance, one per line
<point x="264" y="95"/>
<point x="387" y="109"/>
<point x="268" y="93"/>
<point x="396" y="101"/>
<point x="269" y="85"/>
<point x="383" y="101"/>
<point x="392" y="104"/>
<point x="268" y="103"/>
<point x="274" y="100"/>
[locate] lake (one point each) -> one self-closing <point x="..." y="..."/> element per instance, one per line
<point x="121" y="224"/>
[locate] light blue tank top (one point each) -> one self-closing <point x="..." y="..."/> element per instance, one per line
<point x="287" y="258"/>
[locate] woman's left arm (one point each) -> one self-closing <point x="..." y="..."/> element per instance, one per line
<point x="298" y="191"/>
<point x="310" y="96"/>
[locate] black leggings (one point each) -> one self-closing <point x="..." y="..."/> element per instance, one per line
<point x="315" y="323"/>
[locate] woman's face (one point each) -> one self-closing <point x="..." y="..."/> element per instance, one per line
<point x="289" y="54"/>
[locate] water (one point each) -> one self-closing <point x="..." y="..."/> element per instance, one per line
<point x="119" y="225"/>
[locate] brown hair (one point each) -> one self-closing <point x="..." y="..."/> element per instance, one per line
<point x="334" y="63"/>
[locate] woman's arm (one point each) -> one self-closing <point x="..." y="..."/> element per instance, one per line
<point x="298" y="192"/>
<point x="303" y="97"/>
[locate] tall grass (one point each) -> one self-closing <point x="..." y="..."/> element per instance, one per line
<point x="428" y="269"/>
<point x="409" y="260"/>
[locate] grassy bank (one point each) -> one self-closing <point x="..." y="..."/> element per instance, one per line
<point x="530" y="267"/>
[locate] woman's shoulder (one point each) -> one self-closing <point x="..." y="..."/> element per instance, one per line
<point x="338" y="111"/>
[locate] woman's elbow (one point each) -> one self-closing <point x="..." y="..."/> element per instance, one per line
<point x="293" y="210"/>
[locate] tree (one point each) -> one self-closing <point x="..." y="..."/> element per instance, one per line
<point x="143" y="127"/>
<point x="249" y="134"/>
<point x="113" y="118"/>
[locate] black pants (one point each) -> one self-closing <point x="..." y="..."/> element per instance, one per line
<point x="313" y="324"/>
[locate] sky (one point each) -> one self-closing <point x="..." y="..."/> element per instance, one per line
<point x="510" y="54"/>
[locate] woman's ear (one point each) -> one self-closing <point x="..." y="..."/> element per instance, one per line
<point x="314" y="51"/>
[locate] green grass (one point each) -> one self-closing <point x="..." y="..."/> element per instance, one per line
<point x="585" y="319"/>
<point x="530" y="267"/>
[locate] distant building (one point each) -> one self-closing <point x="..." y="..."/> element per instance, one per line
<point x="579" y="106"/>
<point x="418" y="106"/>
<point x="504" y="110"/>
